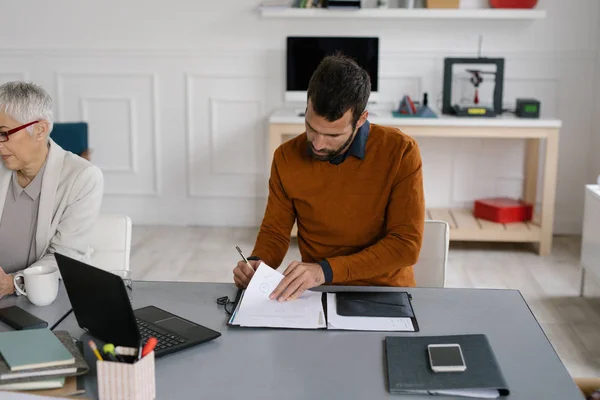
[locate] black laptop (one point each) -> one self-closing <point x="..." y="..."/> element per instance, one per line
<point x="102" y="307"/>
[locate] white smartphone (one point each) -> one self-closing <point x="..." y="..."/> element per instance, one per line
<point x="446" y="358"/>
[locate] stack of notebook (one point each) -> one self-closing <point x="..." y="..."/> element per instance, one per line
<point x="39" y="359"/>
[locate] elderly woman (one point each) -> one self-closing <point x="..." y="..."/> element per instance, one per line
<point x="49" y="198"/>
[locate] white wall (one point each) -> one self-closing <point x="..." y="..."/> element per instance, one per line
<point x="177" y="93"/>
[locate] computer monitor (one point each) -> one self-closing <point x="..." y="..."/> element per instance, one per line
<point x="305" y="53"/>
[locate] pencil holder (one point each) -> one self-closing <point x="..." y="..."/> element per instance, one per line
<point x="120" y="381"/>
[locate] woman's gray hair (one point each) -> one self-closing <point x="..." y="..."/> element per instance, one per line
<point x="26" y="102"/>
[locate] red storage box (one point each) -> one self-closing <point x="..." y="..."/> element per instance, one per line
<point x="513" y="3"/>
<point x="503" y="210"/>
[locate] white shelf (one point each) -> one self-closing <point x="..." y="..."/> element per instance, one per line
<point x="288" y="116"/>
<point x="403" y="13"/>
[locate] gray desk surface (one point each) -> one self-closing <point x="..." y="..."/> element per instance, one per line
<point x="295" y="364"/>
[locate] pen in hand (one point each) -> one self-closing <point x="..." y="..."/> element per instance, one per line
<point x="243" y="257"/>
<point x="244" y="271"/>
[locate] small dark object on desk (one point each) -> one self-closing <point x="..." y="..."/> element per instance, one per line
<point x="528" y="108"/>
<point x="20" y="319"/>
<point x="350" y="4"/>
<point x="65" y="315"/>
<point x="226" y="302"/>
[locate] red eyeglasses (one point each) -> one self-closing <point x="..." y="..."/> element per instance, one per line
<point x="4" y="135"/>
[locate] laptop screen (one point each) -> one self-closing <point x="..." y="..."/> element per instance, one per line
<point x="100" y="302"/>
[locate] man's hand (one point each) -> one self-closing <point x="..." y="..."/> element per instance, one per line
<point x="7" y="285"/>
<point x="243" y="273"/>
<point x="298" y="278"/>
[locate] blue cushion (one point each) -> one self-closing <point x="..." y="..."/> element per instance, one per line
<point x="71" y="136"/>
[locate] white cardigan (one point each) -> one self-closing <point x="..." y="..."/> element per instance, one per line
<point x="70" y="202"/>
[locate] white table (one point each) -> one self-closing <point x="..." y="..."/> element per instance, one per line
<point x="590" y="241"/>
<point x="286" y="123"/>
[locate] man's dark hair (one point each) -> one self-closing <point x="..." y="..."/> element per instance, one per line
<point x="339" y="84"/>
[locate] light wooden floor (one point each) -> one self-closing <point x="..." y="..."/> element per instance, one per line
<point x="549" y="284"/>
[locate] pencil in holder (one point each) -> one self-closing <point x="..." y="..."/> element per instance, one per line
<point x="119" y="381"/>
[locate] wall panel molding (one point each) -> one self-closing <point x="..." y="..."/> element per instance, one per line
<point x="214" y="105"/>
<point x="132" y="133"/>
<point x="214" y="173"/>
<point x="152" y="78"/>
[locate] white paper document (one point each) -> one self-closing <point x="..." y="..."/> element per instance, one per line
<point x="335" y="321"/>
<point x="256" y="309"/>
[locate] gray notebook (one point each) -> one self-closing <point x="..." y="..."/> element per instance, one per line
<point x="409" y="370"/>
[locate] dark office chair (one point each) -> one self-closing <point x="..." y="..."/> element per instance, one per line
<point x="72" y="136"/>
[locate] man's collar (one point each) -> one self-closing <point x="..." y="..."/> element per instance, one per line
<point x="357" y="147"/>
<point x="359" y="144"/>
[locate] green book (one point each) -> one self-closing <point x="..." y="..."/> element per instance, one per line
<point x="35" y="348"/>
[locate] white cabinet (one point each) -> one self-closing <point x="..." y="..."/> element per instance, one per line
<point x="590" y="246"/>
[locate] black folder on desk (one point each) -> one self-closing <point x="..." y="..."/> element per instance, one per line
<point x="374" y="304"/>
<point x="409" y="371"/>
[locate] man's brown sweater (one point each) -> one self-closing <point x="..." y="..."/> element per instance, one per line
<point x="360" y="217"/>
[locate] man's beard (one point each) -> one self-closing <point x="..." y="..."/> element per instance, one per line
<point x="331" y="154"/>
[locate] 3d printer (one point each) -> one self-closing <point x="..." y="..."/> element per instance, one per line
<point x="473" y="87"/>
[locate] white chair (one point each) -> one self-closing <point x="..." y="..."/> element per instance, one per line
<point x="430" y="270"/>
<point x="111" y="242"/>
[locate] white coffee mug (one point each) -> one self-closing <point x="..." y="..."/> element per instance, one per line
<point x="41" y="284"/>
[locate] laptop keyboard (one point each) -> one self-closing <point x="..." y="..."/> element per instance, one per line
<point x="164" y="340"/>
